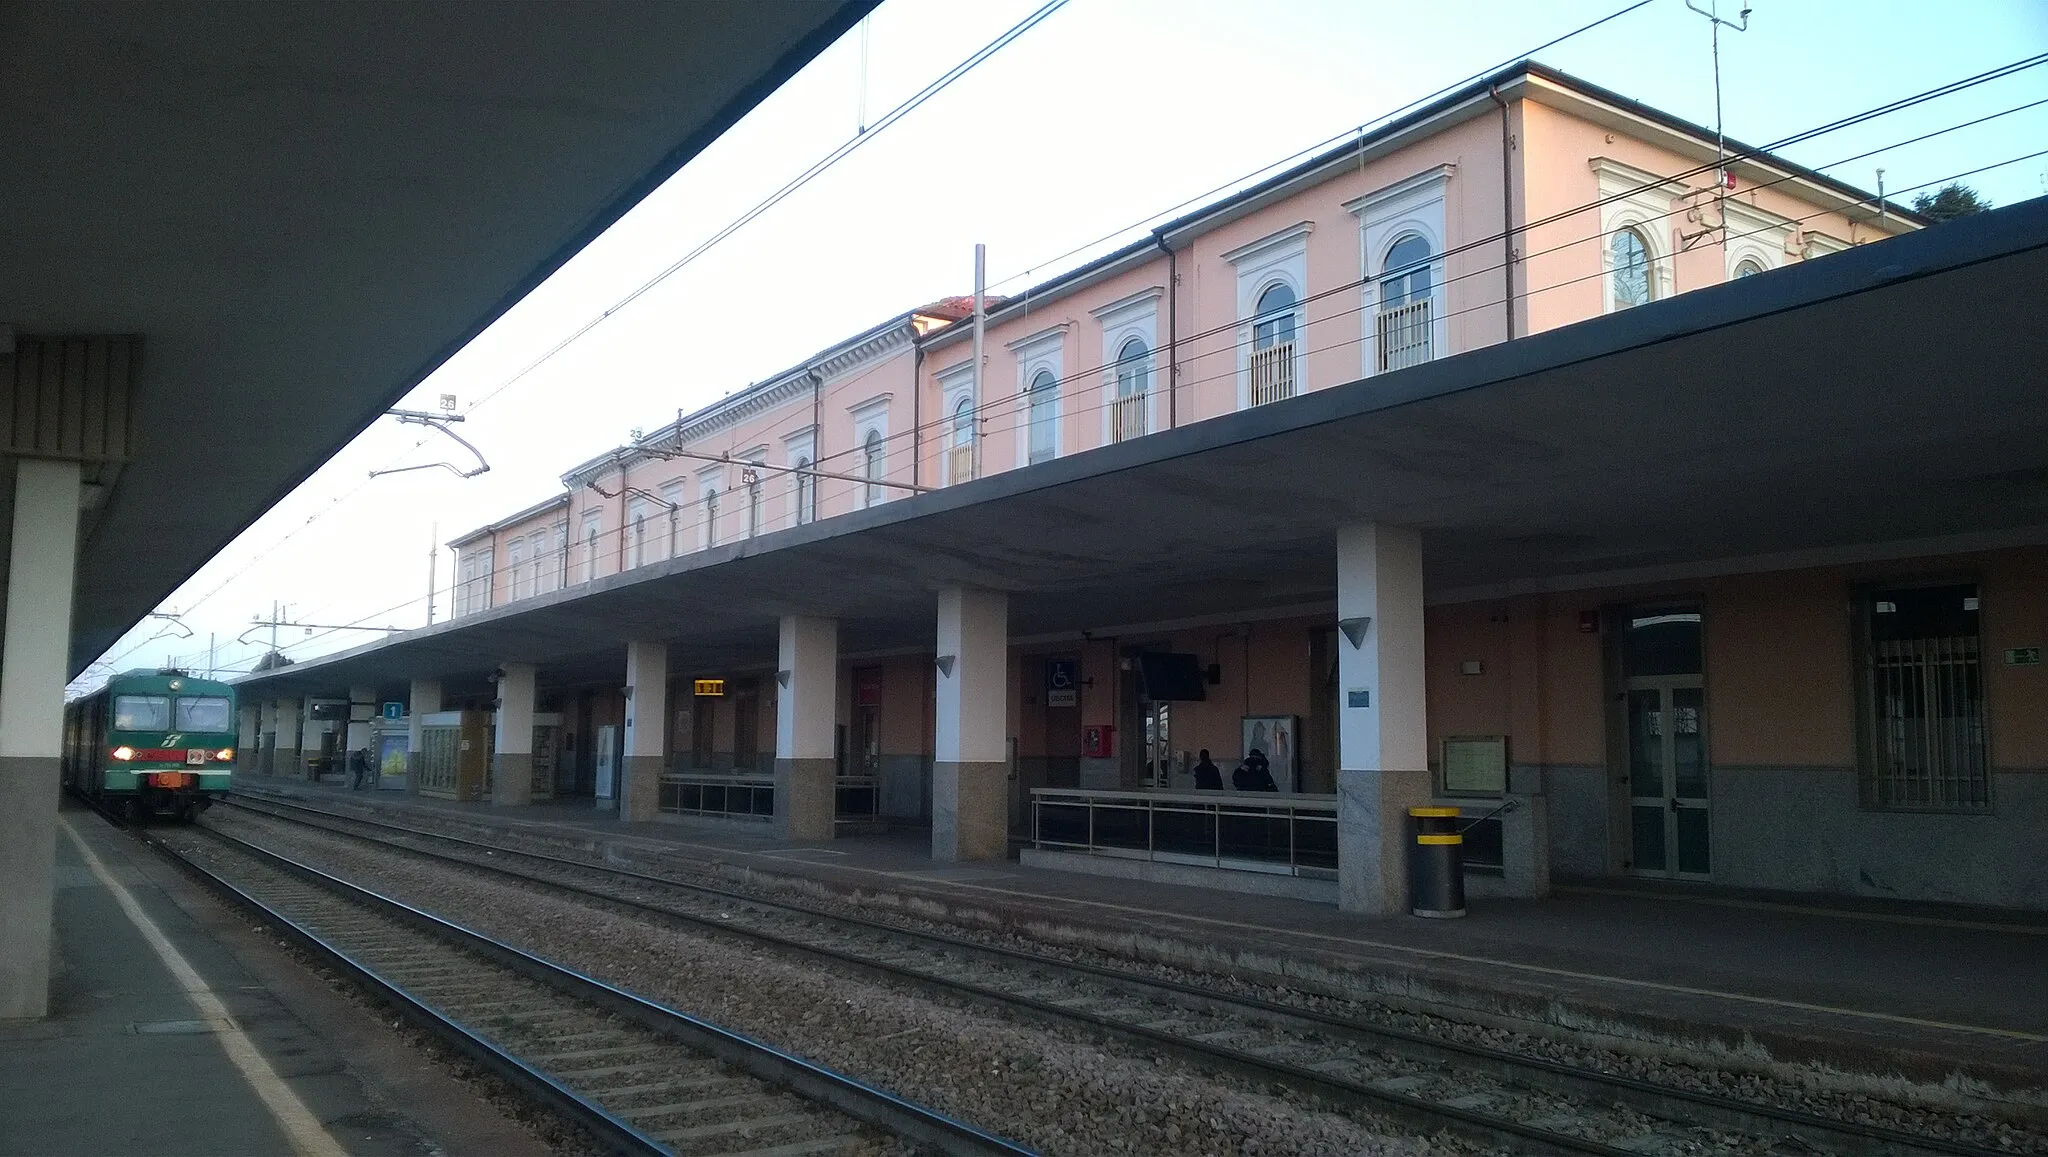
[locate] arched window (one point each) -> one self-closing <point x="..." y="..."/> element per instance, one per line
<point x="753" y="503"/>
<point x="1404" y="275"/>
<point x="806" y="492"/>
<point x="710" y="516"/>
<point x="1275" y="322"/>
<point x="871" y="468"/>
<point x="1133" y="369"/>
<point x="963" y="423"/>
<point x="1045" y="396"/>
<point x="639" y="551"/>
<point x="1629" y="268"/>
<point x="960" y="454"/>
<point x="590" y="551"/>
<point x="1748" y="268"/>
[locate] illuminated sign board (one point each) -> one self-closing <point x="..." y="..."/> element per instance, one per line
<point x="710" y="687"/>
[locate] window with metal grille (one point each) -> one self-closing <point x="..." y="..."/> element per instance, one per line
<point x="1921" y="699"/>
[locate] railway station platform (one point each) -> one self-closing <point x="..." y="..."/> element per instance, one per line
<point x="1924" y="991"/>
<point x="176" y="1029"/>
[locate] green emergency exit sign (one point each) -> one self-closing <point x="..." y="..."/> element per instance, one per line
<point x="2023" y="656"/>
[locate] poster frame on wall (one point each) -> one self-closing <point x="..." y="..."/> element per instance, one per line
<point x="1284" y="758"/>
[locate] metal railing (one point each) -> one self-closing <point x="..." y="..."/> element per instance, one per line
<point x="713" y="794"/>
<point x="960" y="464"/>
<point x="857" y="798"/>
<point x="1927" y="725"/>
<point x="1289" y="835"/>
<point x="1127" y="419"/>
<point x="1406" y="335"/>
<point x="1272" y="373"/>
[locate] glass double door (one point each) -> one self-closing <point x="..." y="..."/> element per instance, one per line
<point x="1667" y="746"/>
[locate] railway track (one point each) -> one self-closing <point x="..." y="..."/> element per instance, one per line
<point x="633" y="1075"/>
<point x="1518" y="1103"/>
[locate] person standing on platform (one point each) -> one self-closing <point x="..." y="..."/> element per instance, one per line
<point x="1254" y="774"/>
<point x="1208" y="777"/>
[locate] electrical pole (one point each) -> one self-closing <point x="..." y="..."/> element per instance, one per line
<point x="433" y="564"/>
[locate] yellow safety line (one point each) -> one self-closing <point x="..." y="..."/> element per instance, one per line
<point x="304" y="1130"/>
<point x="1815" y="910"/>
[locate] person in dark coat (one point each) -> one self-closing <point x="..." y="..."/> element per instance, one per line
<point x="1208" y="777"/>
<point x="1254" y="774"/>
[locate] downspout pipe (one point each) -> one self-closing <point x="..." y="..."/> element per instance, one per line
<point x="1172" y="329"/>
<point x="916" y="405"/>
<point x="1507" y="215"/>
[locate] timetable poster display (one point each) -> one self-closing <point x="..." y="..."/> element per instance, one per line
<point x="1475" y="764"/>
<point x="1278" y="737"/>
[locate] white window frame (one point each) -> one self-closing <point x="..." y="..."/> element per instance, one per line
<point x="672" y="492"/>
<point x="1753" y="234"/>
<point x="1123" y="320"/>
<point x="956" y="385"/>
<point x="871" y="417"/>
<point x="515" y="561"/>
<point x="558" y="563"/>
<point x="801" y="448"/>
<point x="1042" y="352"/>
<point x="1414" y="204"/>
<point x="1632" y="198"/>
<point x="636" y="533"/>
<point x="593" y="537"/>
<point x="465" y="585"/>
<point x="1276" y="259"/>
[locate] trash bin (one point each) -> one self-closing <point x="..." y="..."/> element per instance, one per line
<point x="1436" y="864"/>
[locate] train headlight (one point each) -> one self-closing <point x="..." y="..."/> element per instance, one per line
<point x="224" y="754"/>
<point x="124" y="753"/>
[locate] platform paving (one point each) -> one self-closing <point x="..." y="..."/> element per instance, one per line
<point x="1920" y="989"/>
<point x="248" y="1053"/>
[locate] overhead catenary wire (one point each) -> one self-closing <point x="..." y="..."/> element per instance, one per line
<point x="615" y="554"/>
<point x="839" y="153"/>
<point x="942" y="421"/>
<point x="865" y="133"/>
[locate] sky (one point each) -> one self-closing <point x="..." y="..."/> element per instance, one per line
<point x="1104" y="116"/>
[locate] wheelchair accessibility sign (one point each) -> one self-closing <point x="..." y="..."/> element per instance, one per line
<point x="1062" y="682"/>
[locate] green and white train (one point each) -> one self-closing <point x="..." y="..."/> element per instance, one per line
<point x="152" y="743"/>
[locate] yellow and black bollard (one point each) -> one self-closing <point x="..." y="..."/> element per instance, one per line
<point x="1436" y="864"/>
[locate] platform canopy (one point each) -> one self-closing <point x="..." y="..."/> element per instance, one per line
<point x="302" y="209"/>
<point x="1885" y="399"/>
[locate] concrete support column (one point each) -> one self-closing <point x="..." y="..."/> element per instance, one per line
<point x="646" y="730"/>
<point x="423" y="700"/>
<point x="512" y="746"/>
<point x="970" y="769"/>
<point x="362" y="723"/>
<point x="291" y="722"/>
<point x="806" y="708"/>
<point x="266" y="737"/>
<point x="248" y="736"/>
<point x="1383" y="736"/>
<point x="34" y="660"/>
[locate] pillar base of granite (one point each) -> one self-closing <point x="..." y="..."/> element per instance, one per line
<point x="1372" y="838"/>
<point x="28" y="848"/>
<point x="970" y="810"/>
<point x="1525" y="847"/>
<point x="640" y="787"/>
<point x="511" y="779"/>
<point x="806" y="798"/>
<point x="288" y="765"/>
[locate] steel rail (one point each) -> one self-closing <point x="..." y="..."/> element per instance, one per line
<point x="1656" y="1100"/>
<point x="764" y="1062"/>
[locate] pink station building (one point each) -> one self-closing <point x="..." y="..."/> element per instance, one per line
<point x="1849" y="707"/>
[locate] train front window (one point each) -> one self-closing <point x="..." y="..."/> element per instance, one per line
<point x="203" y="713"/>
<point x="142" y="713"/>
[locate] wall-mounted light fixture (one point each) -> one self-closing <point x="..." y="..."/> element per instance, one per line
<point x="946" y="665"/>
<point x="1355" y="628"/>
